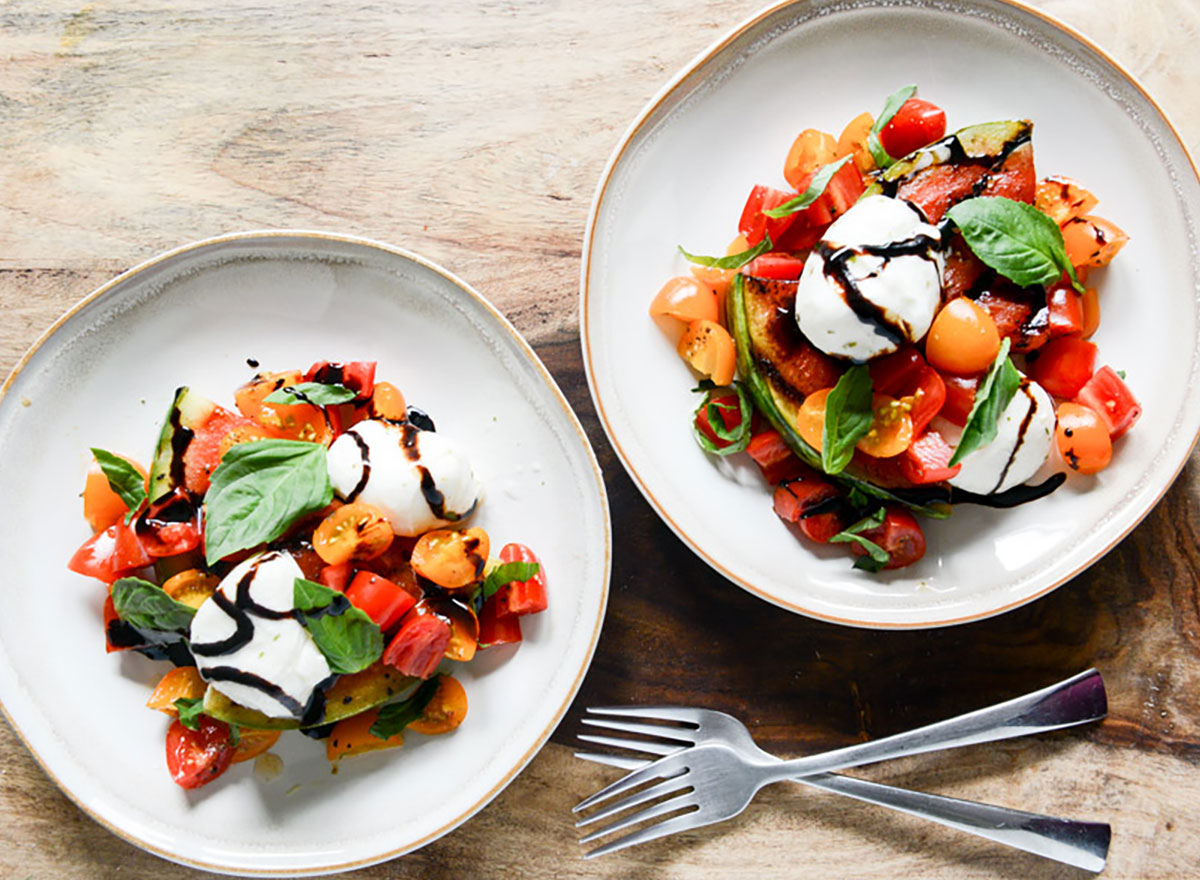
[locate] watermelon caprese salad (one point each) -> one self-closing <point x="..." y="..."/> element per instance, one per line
<point x="304" y="562"/>
<point x="904" y="328"/>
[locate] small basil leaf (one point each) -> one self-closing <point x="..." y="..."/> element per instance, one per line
<point x="394" y="717"/>
<point x="876" y="557"/>
<point x="715" y="401"/>
<point x="816" y="188"/>
<point x="1017" y="240"/>
<point x="259" y="490"/>
<point x="890" y="107"/>
<point x="189" y="712"/>
<point x="848" y="417"/>
<point x="143" y="605"/>
<point x="316" y="393"/>
<point x="995" y="393"/>
<point x="123" y="479"/>
<point x="348" y="638"/>
<point x="503" y="575"/>
<point x="733" y="261"/>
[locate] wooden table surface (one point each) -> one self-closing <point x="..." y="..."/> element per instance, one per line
<point x="474" y="133"/>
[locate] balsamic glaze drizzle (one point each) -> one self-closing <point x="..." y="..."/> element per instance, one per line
<point x="365" y="451"/>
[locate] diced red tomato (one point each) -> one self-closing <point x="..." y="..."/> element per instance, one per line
<point x="1065" y="308"/>
<point x="900" y="535"/>
<point x="337" y="577"/>
<point x="1063" y="366"/>
<point x="844" y="189"/>
<point x="1110" y="397"/>
<point x="775" y="458"/>
<point x="418" y="645"/>
<point x="926" y="459"/>
<point x="380" y="599"/>
<point x="358" y="376"/>
<point x="812" y="505"/>
<point x="204" y="452"/>
<point x="496" y="628"/>
<point x="110" y="554"/>
<point x="754" y="224"/>
<point x="778" y="267"/>
<point x="197" y="757"/>
<point x="916" y="124"/>
<point x="960" y="397"/>
<point x="170" y="526"/>
<point x="522" y="597"/>
<point x="730" y="409"/>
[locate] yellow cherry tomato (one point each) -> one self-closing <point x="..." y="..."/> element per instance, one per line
<point x="451" y="558"/>
<point x="445" y="710"/>
<point x="1063" y="199"/>
<point x="963" y="338"/>
<point x="182" y="682"/>
<point x="354" y="532"/>
<point x="853" y="142"/>
<point x="1091" y="312"/>
<point x="810" y="418"/>
<point x="102" y="507"/>
<point x="891" y="429"/>
<point x="1092" y="241"/>
<point x="387" y="402"/>
<point x="719" y="279"/>
<point x="709" y="349"/>
<point x="252" y="743"/>
<point x="192" y="586"/>
<point x="810" y="150"/>
<point x="1082" y="438"/>
<point x="685" y="298"/>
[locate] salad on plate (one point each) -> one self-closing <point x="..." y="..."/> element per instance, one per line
<point x="304" y="561"/>
<point x="906" y="327"/>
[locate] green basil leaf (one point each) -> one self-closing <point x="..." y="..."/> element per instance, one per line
<point x="1017" y="240"/>
<point x="189" y="712"/>
<point x="876" y="557"/>
<point x="995" y="393"/>
<point x="259" y="490"/>
<point x="316" y="393"/>
<point x="816" y="188"/>
<point x="143" y="605"/>
<point x="394" y="717"/>
<point x="348" y="638"/>
<point x="123" y="479"/>
<point x="848" y="416"/>
<point x="733" y="261"/>
<point x="503" y="575"/>
<point x="737" y="438"/>
<point x="890" y="107"/>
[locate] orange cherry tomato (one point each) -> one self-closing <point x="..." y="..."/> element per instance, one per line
<point x="353" y="532"/>
<point x="444" y="711"/>
<point x="242" y="434"/>
<point x="191" y="587"/>
<point x="1063" y="199"/>
<point x="298" y="421"/>
<point x="963" y="338"/>
<point x="451" y="558"/>
<point x="1092" y="241"/>
<point x="891" y="430"/>
<point x="102" y="507"/>
<point x="686" y="298"/>
<point x="810" y="418"/>
<point x="853" y="142"/>
<point x="352" y="736"/>
<point x="180" y="683"/>
<point x="810" y="150"/>
<point x="1083" y="438"/>
<point x="1091" y="312"/>
<point x="387" y="402"/>
<point x="719" y="279"/>
<point x="709" y="349"/>
<point x="252" y="743"/>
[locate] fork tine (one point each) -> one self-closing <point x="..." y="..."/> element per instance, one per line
<point x="679" y="734"/>
<point x="662" y="713"/>
<point x="678" y="801"/>
<point x="611" y="760"/>
<point x="656" y="791"/>
<point x="664" y="768"/>
<point x="632" y="745"/>
<point x="686" y="822"/>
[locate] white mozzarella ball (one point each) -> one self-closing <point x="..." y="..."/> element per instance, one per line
<point x="1024" y="435"/>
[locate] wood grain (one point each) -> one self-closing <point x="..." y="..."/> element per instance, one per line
<point x="474" y="133"/>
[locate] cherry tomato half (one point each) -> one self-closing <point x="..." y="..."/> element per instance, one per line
<point x="900" y="535"/>
<point x="355" y="532"/>
<point x="197" y="757"/>
<point x="451" y="558"/>
<point x="810" y="150"/>
<point x="963" y="338"/>
<point x="445" y="710"/>
<point x="685" y="298"/>
<point x="1083" y="438"/>
<point x="522" y="597"/>
<point x="102" y="507"/>
<point x="109" y="554"/>
<point x="182" y="682"/>
<point x="709" y="349"/>
<point x="916" y="124"/>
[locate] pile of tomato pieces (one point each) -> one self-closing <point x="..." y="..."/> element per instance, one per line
<point x="940" y="376"/>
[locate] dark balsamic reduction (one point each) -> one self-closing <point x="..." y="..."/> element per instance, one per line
<point x="252" y="363"/>
<point x="249" y="679"/>
<point x="240" y="637"/>
<point x="365" y="451"/>
<point x="181" y="437"/>
<point x="330" y="374"/>
<point x="178" y="507"/>
<point x="421" y="419"/>
<point x="1009" y="497"/>
<point x="1020" y="431"/>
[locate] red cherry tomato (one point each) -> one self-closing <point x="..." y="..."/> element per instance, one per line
<point x="170" y="526"/>
<point x="754" y="224"/>
<point x="496" y="628"/>
<point x="900" y="535"/>
<point x="729" y="408"/>
<point x="522" y="597"/>
<point x="380" y="599"/>
<point x="197" y="757"/>
<point x="916" y="124"/>
<point x="358" y="376"/>
<point x="1107" y="393"/>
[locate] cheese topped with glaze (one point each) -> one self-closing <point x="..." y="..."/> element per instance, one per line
<point x="418" y="478"/>
<point x="1024" y="434"/>
<point x="873" y="282"/>
<point x="248" y="644"/>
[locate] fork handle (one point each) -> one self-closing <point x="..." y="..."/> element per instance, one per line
<point x="1081" y="844"/>
<point x="1077" y="700"/>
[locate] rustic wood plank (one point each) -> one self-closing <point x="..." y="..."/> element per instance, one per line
<point x="474" y="133"/>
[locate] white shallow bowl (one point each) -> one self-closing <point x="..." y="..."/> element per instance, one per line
<point x="104" y="376"/>
<point x="680" y="177"/>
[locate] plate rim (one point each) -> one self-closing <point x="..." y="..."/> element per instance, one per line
<point x="267" y="235"/>
<point x="640" y="121"/>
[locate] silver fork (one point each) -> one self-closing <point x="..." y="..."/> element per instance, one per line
<point x="722" y="771"/>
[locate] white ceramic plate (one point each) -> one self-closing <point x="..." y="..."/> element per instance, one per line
<point x="681" y="175"/>
<point x="104" y="376"/>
